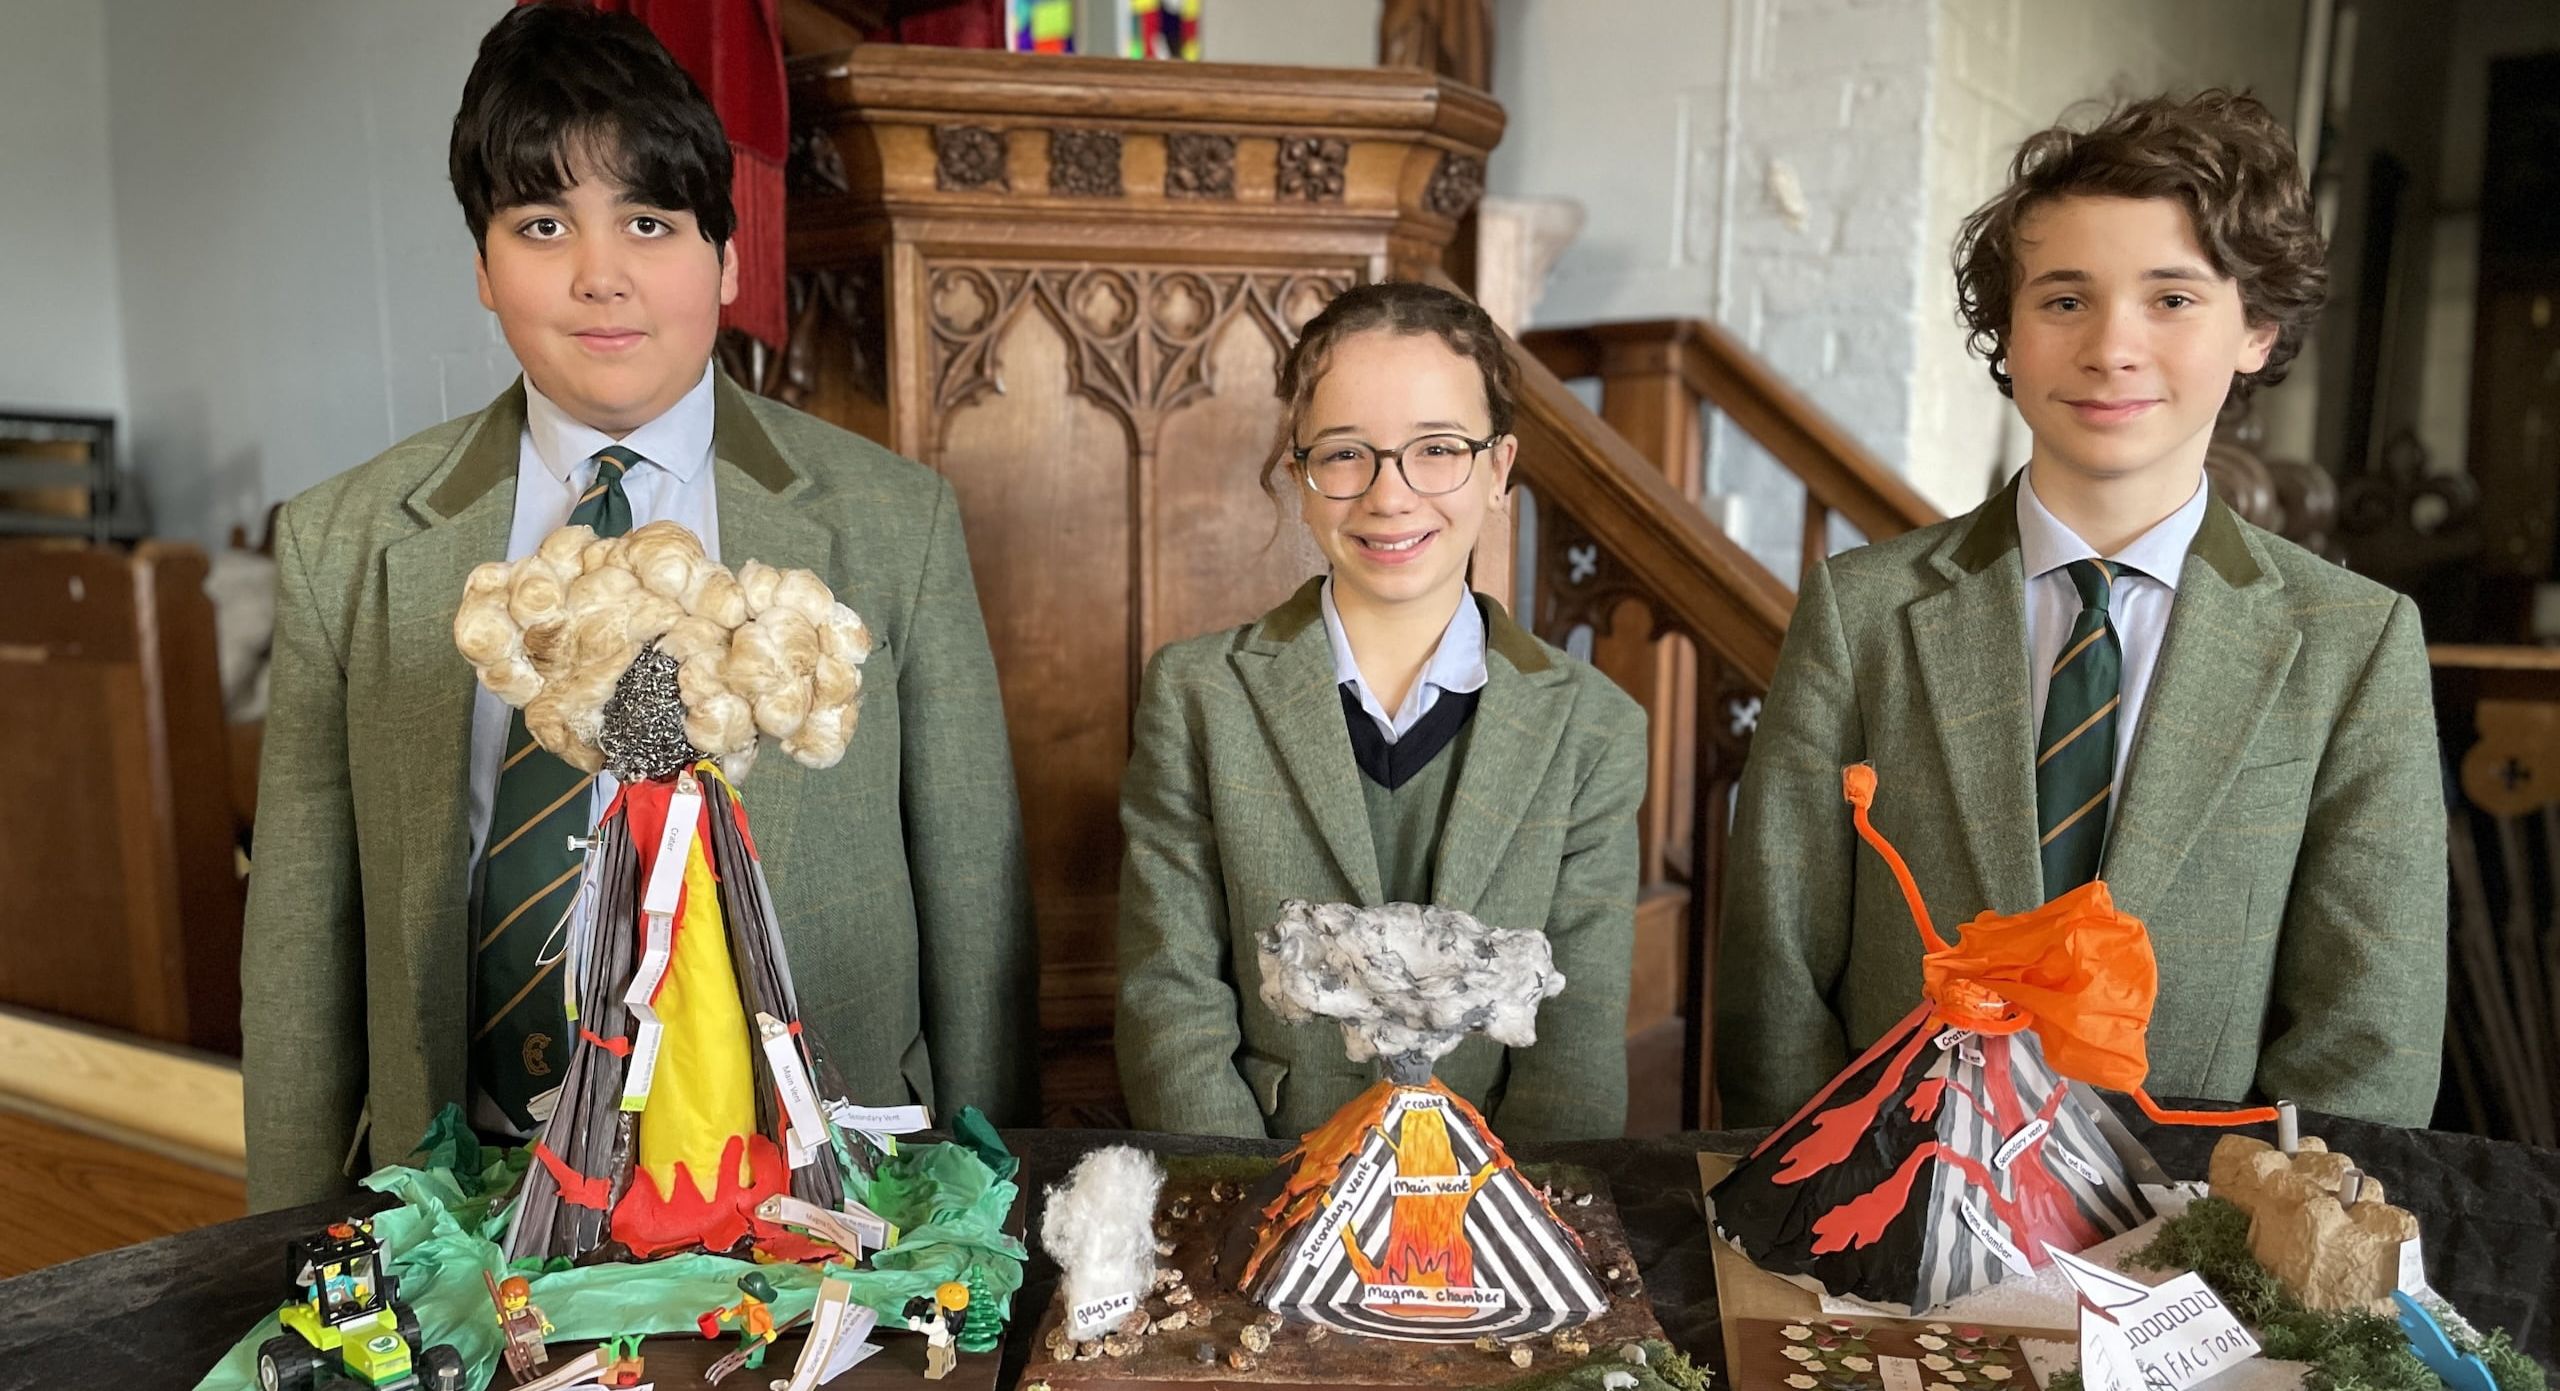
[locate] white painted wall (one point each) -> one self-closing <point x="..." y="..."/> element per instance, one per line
<point x="1297" y="33"/>
<point x="1756" y="162"/>
<point x="61" y="346"/>
<point x="2005" y="69"/>
<point x="295" y="277"/>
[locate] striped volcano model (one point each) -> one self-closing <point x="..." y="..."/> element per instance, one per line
<point x="1939" y="1162"/>
<point x="1403" y="1218"/>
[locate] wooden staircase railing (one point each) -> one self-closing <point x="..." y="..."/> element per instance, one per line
<point x="1678" y="613"/>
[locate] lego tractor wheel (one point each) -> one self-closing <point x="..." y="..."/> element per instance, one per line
<point x="440" y="1368"/>
<point x="405" y="1319"/>
<point x="286" y="1363"/>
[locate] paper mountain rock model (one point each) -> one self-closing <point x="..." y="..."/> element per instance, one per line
<point x="691" y="1094"/>
<point x="1401" y="1217"/>
<point x="1950" y="1154"/>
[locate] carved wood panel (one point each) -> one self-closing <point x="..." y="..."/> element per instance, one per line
<point x="1105" y="428"/>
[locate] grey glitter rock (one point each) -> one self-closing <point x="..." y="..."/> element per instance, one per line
<point x="643" y="730"/>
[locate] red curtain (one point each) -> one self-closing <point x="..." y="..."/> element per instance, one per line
<point x="733" y="49"/>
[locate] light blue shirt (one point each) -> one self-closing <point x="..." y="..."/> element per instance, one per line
<point x="2137" y="604"/>
<point x="1457" y="664"/>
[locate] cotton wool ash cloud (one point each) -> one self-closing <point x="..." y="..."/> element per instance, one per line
<point x="1099" y="1225"/>
<point x="1408" y="982"/>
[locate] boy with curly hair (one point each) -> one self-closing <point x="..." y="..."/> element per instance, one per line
<point x="2102" y="672"/>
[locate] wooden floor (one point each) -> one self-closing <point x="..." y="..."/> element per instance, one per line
<point x="66" y="1194"/>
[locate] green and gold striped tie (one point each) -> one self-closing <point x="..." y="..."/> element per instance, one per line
<point x="529" y="876"/>
<point x="2076" y="755"/>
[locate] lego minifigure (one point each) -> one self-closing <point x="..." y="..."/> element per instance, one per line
<point x="755" y="1321"/>
<point x="940" y="1319"/>
<point x="521" y="1322"/>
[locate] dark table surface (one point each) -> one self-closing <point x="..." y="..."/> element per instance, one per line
<point x="159" y="1314"/>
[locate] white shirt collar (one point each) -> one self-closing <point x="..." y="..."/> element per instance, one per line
<point x="1457" y="664"/>
<point x="679" y="440"/>
<point x="2046" y="544"/>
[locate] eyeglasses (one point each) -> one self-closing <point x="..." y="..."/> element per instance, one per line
<point x="1346" y="469"/>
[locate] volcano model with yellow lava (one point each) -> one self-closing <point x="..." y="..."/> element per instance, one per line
<point x="1401" y="1217"/>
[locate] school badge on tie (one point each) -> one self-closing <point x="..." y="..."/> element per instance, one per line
<point x="690" y="1093"/>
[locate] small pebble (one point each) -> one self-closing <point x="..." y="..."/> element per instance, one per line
<point x="1163" y="1248"/>
<point x="1255" y="1338"/>
<point x="1174" y="1322"/>
<point x="1089" y="1350"/>
<point x="1270" y="1322"/>
<point x="1613" y="1275"/>
<point x="1206" y="1354"/>
<point x="1178" y="1296"/>
<point x="1317" y="1332"/>
<point x="1135" y="1325"/>
<point x="1119" y="1345"/>
<point x="1632" y="1352"/>
<point x="1520" y="1355"/>
<point x="1035" y="1386"/>
<point x="1061" y="1347"/>
<point x="1583" y="1201"/>
<point x="1486" y="1342"/>
<point x="1571" y="1343"/>
<point x="1242" y="1360"/>
<point x="1181" y="1209"/>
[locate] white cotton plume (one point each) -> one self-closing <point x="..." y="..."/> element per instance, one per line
<point x="759" y="652"/>
<point x="1408" y="982"/>
<point x="1099" y="1226"/>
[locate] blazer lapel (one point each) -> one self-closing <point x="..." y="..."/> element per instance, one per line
<point x="1287" y="669"/>
<point x="1971" y="642"/>
<point x="763" y="517"/>
<point x="466" y="509"/>
<point x="1519" y="722"/>
<point x="2222" y="664"/>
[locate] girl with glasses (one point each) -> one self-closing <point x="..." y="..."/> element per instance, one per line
<point x="1385" y="735"/>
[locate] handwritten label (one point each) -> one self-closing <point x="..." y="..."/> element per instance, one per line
<point x="1951" y="1038"/>
<point x="1989" y="1233"/>
<point x="1432" y="1296"/>
<point x="1432" y="1186"/>
<point x="2080" y="1166"/>
<point x="1900" y="1373"/>
<point x="648" y="1033"/>
<point x="2028" y="1134"/>
<point x="1346" y="1198"/>
<point x="2139" y="1338"/>
<point x="1096" y="1316"/>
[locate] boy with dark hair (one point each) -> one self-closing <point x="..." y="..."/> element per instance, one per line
<point x="2104" y="673"/>
<point x="413" y="854"/>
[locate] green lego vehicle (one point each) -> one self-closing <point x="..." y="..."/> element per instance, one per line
<point x="348" y="1332"/>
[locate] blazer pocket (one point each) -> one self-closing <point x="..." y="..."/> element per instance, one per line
<point x="1263" y="1077"/>
<point x="2270" y="785"/>
<point x="916" y="1065"/>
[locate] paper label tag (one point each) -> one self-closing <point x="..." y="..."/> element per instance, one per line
<point x="2028" y="1134"/>
<point x="2166" y="1338"/>
<point x="2080" y="1166"/>
<point x="1432" y="1186"/>
<point x="1095" y="1317"/>
<point x="541" y="1105"/>
<point x="1433" y="1296"/>
<point x="879" y="1120"/>
<point x="675" y="846"/>
<point x="1989" y="1233"/>
<point x="647" y="1033"/>
<point x="2413" y="1270"/>
<point x="808" y="1136"/>
<point x="1951" y="1038"/>
<point x="1899" y="1373"/>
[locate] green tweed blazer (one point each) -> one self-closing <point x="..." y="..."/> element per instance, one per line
<point x="1242" y="793"/>
<point x="898" y="874"/>
<point x="2281" y="827"/>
